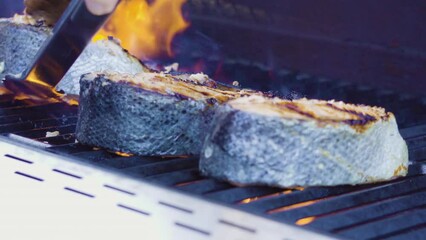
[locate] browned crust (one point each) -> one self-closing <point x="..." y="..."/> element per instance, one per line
<point x="399" y="170"/>
<point x="167" y="84"/>
<point x="358" y="117"/>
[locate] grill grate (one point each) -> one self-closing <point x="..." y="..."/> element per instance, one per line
<point x="392" y="210"/>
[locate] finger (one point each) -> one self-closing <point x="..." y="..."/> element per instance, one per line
<point x="101" y="7"/>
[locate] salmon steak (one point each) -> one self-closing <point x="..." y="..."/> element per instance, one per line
<point x="270" y="141"/>
<point x="149" y="113"/>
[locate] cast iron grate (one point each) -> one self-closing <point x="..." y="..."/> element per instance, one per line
<point x="392" y="210"/>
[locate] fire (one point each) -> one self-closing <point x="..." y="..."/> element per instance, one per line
<point x="305" y="221"/>
<point x="252" y="199"/>
<point x="123" y="154"/>
<point x="293" y="206"/>
<point x="71" y="100"/>
<point x="34" y="78"/>
<point x="42" y="92"/>
<point x="146" y="29"/>
<point x="4" y="91"/>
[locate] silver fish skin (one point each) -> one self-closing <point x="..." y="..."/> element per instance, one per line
<point x="122" y="117"/>
<point x="252" y="146"/>
<point x="20" y="42"/>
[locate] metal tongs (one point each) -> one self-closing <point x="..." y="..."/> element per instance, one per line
<point x="73" y="31"/>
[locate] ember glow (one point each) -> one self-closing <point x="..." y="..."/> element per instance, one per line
<point x="305" y="221"/>
<point x="4" y="91"/>
<point x="146" y="30"/>
<point x="188" y="183"/>
<point x="293" y="206"/>
<point x="252" y="199"/>
<point x="123" y="154"/>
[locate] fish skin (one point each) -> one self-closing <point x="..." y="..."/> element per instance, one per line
<point x="125" y="118"/>
<point x="19" y="44"/>
<point x="254" y="149"/>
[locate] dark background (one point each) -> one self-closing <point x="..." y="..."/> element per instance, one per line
<point x="9" y="7"/>
<point x="380" y="43"/>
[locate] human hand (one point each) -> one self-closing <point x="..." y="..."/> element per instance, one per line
<point x="101" y="7"/>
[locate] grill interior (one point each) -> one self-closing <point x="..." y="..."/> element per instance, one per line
<point x="276" y="33"/>
<point x="391" y="210"/>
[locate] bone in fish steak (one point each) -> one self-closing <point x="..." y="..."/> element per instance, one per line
<point x="259" y="141"/>
<point x="148" y="113"/>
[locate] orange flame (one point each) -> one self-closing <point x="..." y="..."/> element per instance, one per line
<point x="41" y="97"/>
<point x="252" y="199"/>
<point x="305" y="221"/>
<point x="45" y="92"/>
<point x="4" y="91"/>
<point x="146" y="30"/>
<point x="123" y="154"/>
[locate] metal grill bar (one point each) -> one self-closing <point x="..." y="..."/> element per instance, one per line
<point x="417" y="232"/>
<point x="205" y="186"/>
<point x="177" y="177"/>
<point x="355" y="199"/>
<point x="308" y="194"/>
<point x="339" y="221"/>
<point x="389" y="225"/>
<point x="30" y="125"/>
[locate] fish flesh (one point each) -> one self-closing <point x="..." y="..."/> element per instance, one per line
<point x="102" y="55"/>
<point x="285" y="143"/>
<point x="149" y="113"/>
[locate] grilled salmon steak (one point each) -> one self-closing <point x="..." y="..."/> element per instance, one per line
<point x="19" y="43"/>
<point x="263" y="141"/>
<point x="149" y="113"/>
<point x="21" y="38"/>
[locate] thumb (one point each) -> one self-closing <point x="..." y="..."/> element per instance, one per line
<point x="101" y="7"/>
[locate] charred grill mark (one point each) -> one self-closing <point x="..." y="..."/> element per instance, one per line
<point x="293" y="107"/>
<point x="211" y="101"/>
<point x="211" y="85"/>
<point x="185" y="90"/>
<point x="99" y="77"/>
<point x="363" y="119"/>
<point x="354" y="122"/>
<point x="39" y="23"/>
<point x="181" y="96"/>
